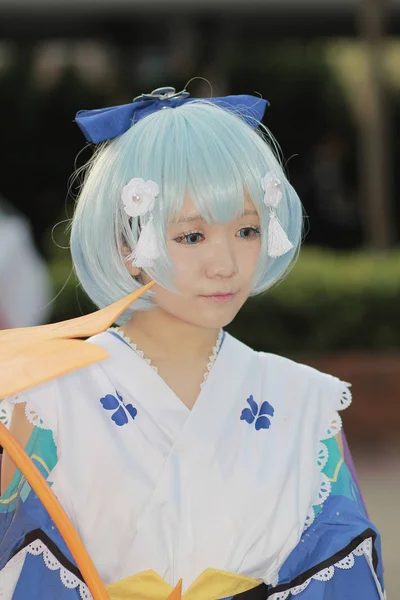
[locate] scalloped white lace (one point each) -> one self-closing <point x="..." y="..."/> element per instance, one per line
<point x="344" y="401"/>
<point x="5" y="413"/>
<point x="69" y="580"/>
<point x="365" y="548"/>
<point x="134" y="347"/>
<point x="32" y="415"/>
<point x="211" y="358"/>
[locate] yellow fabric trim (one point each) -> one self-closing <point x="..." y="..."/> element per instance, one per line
<point x="41" y="461"/>
<point x="212" y="584"/>
<point x="147" y="585"/>
<point x="10" y="499"/>
<point x="46" y="468"/>
<point x="336" y="473"/>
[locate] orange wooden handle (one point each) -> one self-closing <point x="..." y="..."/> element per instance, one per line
<point x="56" y="512"/>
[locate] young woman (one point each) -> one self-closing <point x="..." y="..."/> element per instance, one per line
<point x="186" y="454"/>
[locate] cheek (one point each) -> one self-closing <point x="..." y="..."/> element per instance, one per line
<point x="248" y="255"/>
<point x="189" y="263"/>
<point x="184" y="261"/>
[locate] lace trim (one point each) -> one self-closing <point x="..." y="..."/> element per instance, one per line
<point x="33" y="416"/>
<point x="211" y="359"/>
<point x="134" y="347"/>
<point x="68" y="580"/>
<point x="5" y="413"/>
<point x="332" y="430"/>
<point x="365" y="548"/>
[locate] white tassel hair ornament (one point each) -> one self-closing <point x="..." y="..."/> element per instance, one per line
<point x="138" y="197"/>
<point x="278" y="241"/>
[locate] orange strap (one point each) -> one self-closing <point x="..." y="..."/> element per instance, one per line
<point x="56" y="512"/>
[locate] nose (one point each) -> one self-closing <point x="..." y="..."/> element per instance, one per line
<point x="222" y="262"/>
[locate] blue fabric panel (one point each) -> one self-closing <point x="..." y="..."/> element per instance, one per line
<point x="28" y="516"/>
<point x="39" y="583"/>
<point x="356" y="583"/>
<point x="339" y="523"/>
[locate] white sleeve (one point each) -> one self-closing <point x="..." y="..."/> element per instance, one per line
<point x="40" y="405"/>
<point x="9" y="575"/>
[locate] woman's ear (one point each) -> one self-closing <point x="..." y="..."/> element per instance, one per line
<point x="134" y="271"/>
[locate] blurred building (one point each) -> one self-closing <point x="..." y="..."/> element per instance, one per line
<point x="38" y="18"/>
<point x="25" y="290"/>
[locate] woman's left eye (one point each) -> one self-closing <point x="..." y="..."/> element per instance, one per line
<point x="248" y="232"/>
<point x="190" y="239"/>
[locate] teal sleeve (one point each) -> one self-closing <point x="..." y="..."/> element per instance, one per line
<point x="43" y="452"/>
<point x="338" y="474"/>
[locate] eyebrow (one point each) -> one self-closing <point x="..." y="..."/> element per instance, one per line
<point x="198" y="217"/>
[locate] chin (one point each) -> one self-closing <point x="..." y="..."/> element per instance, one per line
<point x="213" y="316"/>
<point x="216" y="321"/>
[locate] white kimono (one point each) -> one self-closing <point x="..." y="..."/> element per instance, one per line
<point x="229" y="485"/>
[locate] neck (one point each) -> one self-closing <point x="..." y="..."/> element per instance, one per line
<point x="163" y="336"/>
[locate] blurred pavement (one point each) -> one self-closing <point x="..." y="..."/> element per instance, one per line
<point x="380" y="483"/>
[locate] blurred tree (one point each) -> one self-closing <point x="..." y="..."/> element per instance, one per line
<point x="39" y="141"/>
<point x="311" y="118"/>
<point x="374" y="131"/>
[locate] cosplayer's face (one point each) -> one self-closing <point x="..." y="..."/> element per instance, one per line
<point x="213" y="266"/>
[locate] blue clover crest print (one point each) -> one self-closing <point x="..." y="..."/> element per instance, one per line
<point x="122" y="410"/>
<point x="259" y="415"/>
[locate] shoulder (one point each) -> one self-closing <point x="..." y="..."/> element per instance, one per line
<point x="293" y="371"/>
<point x="289" y="365"/>
<point x="111" y="341"/>
<point x="304" y="388"/>
<point x="289" y="373"/>
<point x="50" y="390"/>
<point x="43" y="400"/>
<point x="296" y="383"/>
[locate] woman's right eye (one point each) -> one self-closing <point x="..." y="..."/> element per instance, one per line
<point x="190" y="239"/>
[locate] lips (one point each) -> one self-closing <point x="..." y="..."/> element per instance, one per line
<point x="213" y="294"/>
<point x="220" y="296"/>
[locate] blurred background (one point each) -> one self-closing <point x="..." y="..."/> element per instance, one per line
<point x="331" y="71"/>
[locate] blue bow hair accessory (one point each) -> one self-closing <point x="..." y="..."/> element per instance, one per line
<point x="107" y="123"/>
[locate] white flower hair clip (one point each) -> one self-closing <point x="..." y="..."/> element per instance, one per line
<point x="278" y="241"/>
<point x="138" y="197"/>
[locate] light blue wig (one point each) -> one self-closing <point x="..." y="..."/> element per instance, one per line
<point x="198" y="148"/>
